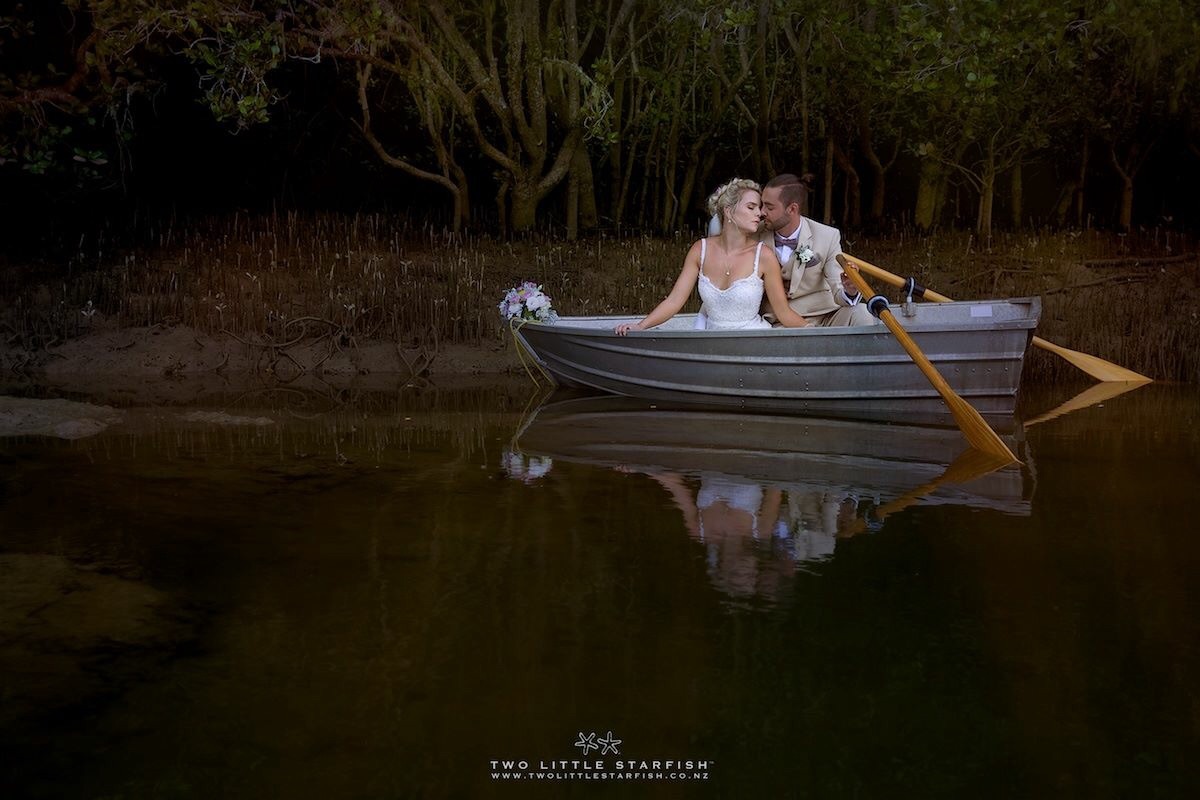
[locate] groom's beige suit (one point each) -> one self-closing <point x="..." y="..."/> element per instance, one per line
<point x="814" y="288"/>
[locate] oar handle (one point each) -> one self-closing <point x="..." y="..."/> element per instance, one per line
<point x="909" y="285"/>
<point x="876" y="304"/>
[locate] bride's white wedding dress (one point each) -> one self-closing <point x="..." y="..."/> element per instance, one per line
<point x="736" y="306"/>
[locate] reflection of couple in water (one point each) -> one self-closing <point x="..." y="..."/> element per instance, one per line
<point x="753" y="535"/>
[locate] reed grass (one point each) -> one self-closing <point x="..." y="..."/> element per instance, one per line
<point x="360" y="277"/>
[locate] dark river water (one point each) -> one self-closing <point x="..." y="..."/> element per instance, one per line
<point x="451" y="594"/>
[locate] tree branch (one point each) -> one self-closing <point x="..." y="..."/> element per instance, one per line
<point x="364" y="77"/>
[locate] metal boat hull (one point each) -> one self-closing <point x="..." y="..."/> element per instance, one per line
<point x="978" y="347"/>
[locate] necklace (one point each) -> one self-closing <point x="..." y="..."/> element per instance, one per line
<point x="729" y="259"/>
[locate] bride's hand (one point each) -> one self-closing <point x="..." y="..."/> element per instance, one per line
<point x="626" y="327"/>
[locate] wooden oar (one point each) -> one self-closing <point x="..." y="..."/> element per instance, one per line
<point x="979" y="434"/>
<point x="1097" y="367"/>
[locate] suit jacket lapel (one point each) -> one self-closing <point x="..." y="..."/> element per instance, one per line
<point x="805" y="237"/>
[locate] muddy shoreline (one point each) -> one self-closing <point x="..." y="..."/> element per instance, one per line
<point x="72" y="390"/>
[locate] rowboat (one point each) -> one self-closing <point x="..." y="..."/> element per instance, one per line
<point x="859" y="372"/>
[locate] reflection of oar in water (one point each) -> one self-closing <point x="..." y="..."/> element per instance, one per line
<point x="1093" y="395"/>
<point x="1097" y="367"/>
<point x="979" y="434"/>
<point x="969" y="465"/>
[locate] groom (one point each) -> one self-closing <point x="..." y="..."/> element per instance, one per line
<point x="816" y="287"/>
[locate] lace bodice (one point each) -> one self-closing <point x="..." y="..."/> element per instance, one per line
<point x="746" y="497"/>
<point x="735" y="306"/>
<point x="735" y="495"/>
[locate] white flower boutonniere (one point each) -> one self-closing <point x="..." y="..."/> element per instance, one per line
<point x="805" y="254"/>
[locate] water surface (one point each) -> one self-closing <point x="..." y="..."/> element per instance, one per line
<point x="381" y="596"/>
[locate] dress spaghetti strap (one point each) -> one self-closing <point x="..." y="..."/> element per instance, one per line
<point x="757" y="253"/>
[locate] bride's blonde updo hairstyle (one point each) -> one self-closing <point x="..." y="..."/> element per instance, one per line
<point x="727" y="196"/>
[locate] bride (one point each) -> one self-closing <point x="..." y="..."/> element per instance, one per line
<point x="732" y="268"/>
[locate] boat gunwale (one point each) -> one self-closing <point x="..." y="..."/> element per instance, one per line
<point x="606" y="322"/>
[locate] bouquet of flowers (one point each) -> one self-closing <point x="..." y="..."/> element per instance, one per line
<point x="525" y="468"/>
<point x="527" y="301"/>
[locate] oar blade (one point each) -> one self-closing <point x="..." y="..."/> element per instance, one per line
<point x="1095" y="366"/>
<point x="976" y="430"/>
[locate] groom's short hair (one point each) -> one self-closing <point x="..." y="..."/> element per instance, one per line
<point x="792" y="189"/>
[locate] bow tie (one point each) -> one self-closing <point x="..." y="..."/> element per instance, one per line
<point x="782" y="242"/>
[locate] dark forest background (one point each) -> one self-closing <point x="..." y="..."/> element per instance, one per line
<point x="569" y="116"/>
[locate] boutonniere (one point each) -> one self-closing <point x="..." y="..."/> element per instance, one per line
<point x="805" y="254"/>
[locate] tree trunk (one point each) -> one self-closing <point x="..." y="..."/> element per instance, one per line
<point x="987" y="195"/>
<point x="852" y="213"/>
<point x="762" y="122"/>
<point x="502" y="206"/>
<point x="930" y="184"/>
<point x="689" y="183"/>
<point x="878" y="193"/>
<point x="452" y="178"/>
<point x="1127" y="172"/>
<point x="615" y="152"/>
<point x="670" y="159"/>
<point x="1064" y="203"/>
<point x="1081" y="185"/>
<point x="939" y="200"/>
<point x="1125" y="215"/>
<point x="805" y="149"/>
<point x="827" y="197"/>
<point x="523" y="205"/>
<point x="462" y="198"/>
<point x="703" y="178"/>
<point x="878" y="168"/>
<point x="572" y="206"/>
<point x="627" y="180"/>
<point x="581" y="195"/>
<point x="1017" y="195"/>
<point x="800" y="57"/>
<point x="581" y="167"/>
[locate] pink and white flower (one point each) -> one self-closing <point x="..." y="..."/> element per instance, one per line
<point x="527" y="302"/>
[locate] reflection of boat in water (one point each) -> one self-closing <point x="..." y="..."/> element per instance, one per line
<point x="764" y="493"/>
<point x="873" y="459"/>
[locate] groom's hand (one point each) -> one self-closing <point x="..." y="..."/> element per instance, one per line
<point x="848" y="286"/>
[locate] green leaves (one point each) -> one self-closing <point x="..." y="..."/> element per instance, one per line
<point x="235" y="63"/>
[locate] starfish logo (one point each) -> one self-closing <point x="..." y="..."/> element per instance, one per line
<point x="609" y="745"/>
<point x="605" y="744"/>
